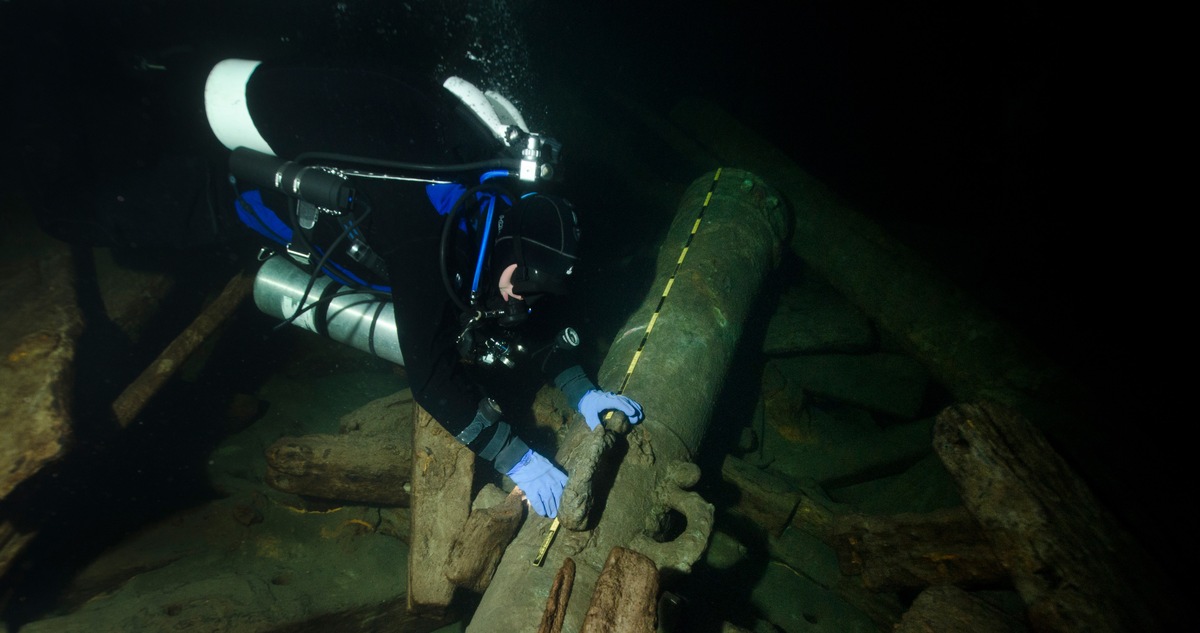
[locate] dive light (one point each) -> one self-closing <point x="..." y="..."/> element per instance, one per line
<point x="318" y="186"/>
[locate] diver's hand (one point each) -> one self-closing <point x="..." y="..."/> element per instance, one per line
<point x="595" y="402"/>
<point x="541" y="481"/>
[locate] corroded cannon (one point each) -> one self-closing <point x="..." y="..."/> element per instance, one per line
<point x="672" y="356"/>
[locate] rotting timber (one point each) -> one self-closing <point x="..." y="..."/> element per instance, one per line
<point x="727" y="235"/>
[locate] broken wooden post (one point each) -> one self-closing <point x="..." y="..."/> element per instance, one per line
<point x="726" y="236"/>
<point x="478" y="546"/>
<point x="443" y="472"/>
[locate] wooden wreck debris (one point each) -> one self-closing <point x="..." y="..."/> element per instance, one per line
<point x="135" y="397"/>
<point x="477" y="548"/>
<point x="443" y="472"/>
<point x="914" y="551"/>
<point x="949" y="609"/>
<point x="389" y="415"/>
<point x="763" y="498"/>
<point x="585" y="454"/>
<point x="359" y="468"/>
<point x="1074" y="566"/>
<point x="12" y="541"/>
<point x="560" y="595"/>
<point x="369" y="461"/>
<point x="39" y="328"/>
<point x="626" y="596"/>
<point x="815" y="512"/>
<point x="40" y="324"/>
<point x="776" y="503"/>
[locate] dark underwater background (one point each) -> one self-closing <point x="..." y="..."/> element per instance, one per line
<point x="977" y="135"/>
<point x="991" y="139"/>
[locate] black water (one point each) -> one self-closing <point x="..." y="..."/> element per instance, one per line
<point x="985" y="138"/>
<point x="968" y="132"/>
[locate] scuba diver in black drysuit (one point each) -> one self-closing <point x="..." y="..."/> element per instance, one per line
<point x="418" y="224"/>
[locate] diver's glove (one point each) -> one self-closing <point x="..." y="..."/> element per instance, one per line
<point x="541" y="481"/>
<point x="595" y="402"/>
<point x="585" y="397"/>
<point x="492" y="439"/>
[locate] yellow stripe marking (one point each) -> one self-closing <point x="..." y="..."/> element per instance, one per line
<point x="637" y="354"/>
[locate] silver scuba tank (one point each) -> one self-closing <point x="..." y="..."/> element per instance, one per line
<point x="358" y="319"/>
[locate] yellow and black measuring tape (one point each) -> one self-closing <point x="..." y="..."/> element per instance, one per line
<point x="637" y="355"/>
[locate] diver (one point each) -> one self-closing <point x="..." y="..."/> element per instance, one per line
<point x="434" y="202"/>
<point x="447" y="201"/>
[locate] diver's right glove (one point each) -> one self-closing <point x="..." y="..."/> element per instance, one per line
<point x="492" y="439"/>
<point x="541" y="481"/>
<point x="595" y="402"/>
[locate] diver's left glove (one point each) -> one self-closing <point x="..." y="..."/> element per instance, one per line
<point x="595" y="402"/>
<point x="541" y="481"/>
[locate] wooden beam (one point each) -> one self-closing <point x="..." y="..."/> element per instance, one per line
<point x="357" y="467"/>
<point x="1073" y="564"/>
<point x="914" y="551"/>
